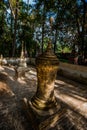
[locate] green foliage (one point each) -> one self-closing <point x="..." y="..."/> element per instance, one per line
<point x="46" y="39"/>
<point x="62" y="48"/>
<point x="5" y="35"/>
<point x="33" y="26"/>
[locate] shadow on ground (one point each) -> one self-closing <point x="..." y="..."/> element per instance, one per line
<point x="12" y="116"/>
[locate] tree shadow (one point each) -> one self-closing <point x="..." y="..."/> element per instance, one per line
<point x="69" y="81"/>
<point x="12" y="116"/>
<point x="66" y="124"/>
<point x="71" y="88"/>
<point x="11" y="113"/>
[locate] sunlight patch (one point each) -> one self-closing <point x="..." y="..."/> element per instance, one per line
<point x="32" y="72"/>
<point x="60" y="82"/>
<point x="21" y="80"/>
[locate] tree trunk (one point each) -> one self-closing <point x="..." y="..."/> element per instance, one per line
<point x="42" y="36"/>
<point x="82" y="46"/>
<point x="56" y="35"/>
<point x="10" y="51"/>
<point x="43" y="23"/>
<point x="15" y="30"/>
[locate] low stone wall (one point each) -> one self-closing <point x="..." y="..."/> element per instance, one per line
<point x="13" y="61"/>
<point x="32" y="61"/>
<point x="16" y="61"/>
<point x="74" y="67"/>
<point x="75" y="72"/>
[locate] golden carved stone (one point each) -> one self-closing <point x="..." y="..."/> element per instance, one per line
<point x="47" y="66"/>
<point x="43" y="110"/>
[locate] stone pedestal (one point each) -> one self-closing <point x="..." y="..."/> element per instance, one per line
<point x="22" y="67"/>
<point x="43" y="107"/>
<point x="22" y="58"/>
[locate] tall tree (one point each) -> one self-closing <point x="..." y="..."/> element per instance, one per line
<point x="14" y="5"/>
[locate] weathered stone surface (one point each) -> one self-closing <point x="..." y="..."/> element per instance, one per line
<point x="20" y="71"/>
<point x="44" y="100"/>
<point x="43" y="107"/>
<point x="41" y="122"/>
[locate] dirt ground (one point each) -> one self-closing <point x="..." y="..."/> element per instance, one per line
<point x="13" y="90"/>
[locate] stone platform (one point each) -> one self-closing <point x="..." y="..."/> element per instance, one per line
<point x="41" y="122"/>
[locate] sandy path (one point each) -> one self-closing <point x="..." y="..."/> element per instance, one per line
<point x="11" y="113"/>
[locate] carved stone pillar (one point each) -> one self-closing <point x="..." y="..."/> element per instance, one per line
<point x="47" y="65"/>
<point x="22" y="58"/>
<point x="43" y="110"/>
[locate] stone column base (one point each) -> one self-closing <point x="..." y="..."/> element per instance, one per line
<point x="41" y="122"/>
